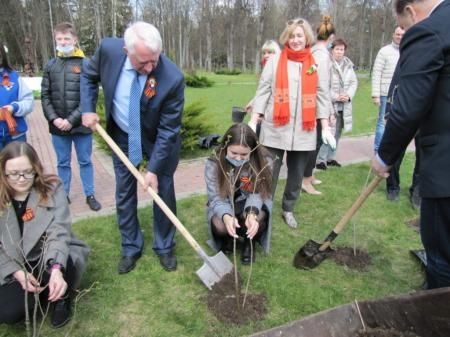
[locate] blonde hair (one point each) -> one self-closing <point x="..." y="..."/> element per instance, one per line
<point x="325" y="29"/>
<point x="271" y="46"/>
<point x="291" y="25"/>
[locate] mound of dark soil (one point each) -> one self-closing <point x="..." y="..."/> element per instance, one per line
<point x="223" y="304"/>
<point x="380" y="332"/>
<point x="358" y="259"/>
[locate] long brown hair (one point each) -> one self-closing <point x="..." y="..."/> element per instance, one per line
<point x="258" y="166"/>
<point x="43" y="183"/>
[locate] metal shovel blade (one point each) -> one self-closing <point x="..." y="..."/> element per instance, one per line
<point x="214" y="269"/>
<point x="309" y="256"/>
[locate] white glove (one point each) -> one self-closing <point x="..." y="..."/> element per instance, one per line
<point x="328" y="138"/>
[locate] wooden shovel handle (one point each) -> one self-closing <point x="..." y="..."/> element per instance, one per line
<point x="357" y="204"/>
<point x="167" y="211"/>
<point x="351" y="212"/>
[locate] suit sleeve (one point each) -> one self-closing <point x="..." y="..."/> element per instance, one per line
<point x="421" y="60"/>
<point x="90" y="77"/>
<point x="169" y="128"/>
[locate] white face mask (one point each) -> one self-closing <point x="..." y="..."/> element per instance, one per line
<point x="65" y="49"/>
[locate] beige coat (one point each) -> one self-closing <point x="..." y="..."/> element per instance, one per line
<point x="383" y="69"/>
<point x="51" y="220"/>
<point x="290" y="137"/>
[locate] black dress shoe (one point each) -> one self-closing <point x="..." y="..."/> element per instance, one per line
<point x="93" y="203"/>
<point x="321" y="166"/>
<point x="61" y="313"/>
<point x="168" y="261"/>
<point x="127" y="263"/>
<point x="246" y="254"/>
<point x="333" y="163"/>
<point x="393" y="195"/>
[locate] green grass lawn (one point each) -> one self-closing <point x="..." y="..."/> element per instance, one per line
<point x="151" y="302"/>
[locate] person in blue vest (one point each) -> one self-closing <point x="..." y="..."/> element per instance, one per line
<point x="16" y="101"/>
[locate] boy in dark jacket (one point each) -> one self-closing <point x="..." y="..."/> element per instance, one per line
<point x="60" y="95"/>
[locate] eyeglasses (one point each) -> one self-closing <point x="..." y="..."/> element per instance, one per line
<point x="28" y="175"/>
<point x="295" y="22"/>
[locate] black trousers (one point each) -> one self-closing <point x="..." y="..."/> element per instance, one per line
<point x="12" y="296"/>
<point x="435" y="234"/>
<point x="311" y="163"/>
<point x="393" y="181"/>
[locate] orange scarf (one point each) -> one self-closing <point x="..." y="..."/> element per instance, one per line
<point x="281" y="110"/>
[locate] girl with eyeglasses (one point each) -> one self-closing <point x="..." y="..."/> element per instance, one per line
<point x="39" y="255"/>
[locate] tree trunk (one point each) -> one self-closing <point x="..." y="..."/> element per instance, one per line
<point x="362" y="26"/>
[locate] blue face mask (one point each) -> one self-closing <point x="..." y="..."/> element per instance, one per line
<point x="236" y="162"/>
<point x="65" y="49"/>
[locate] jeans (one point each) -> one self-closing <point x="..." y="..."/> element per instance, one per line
<point x="83" y="148"/>
<point x="379" y="130"/>
<point x="6" y="140"/>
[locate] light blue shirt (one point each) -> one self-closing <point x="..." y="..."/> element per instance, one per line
<point x="121" y="100"/>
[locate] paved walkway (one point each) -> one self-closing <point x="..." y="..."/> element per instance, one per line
<point x="188" y="177"/>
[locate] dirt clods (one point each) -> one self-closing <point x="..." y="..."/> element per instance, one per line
<point x="354" y="259"/>
<point x="223" y="304"/>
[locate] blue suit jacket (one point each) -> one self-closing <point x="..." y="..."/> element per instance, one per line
<point x="160" y="115"/>
<point x="422" y="102"/>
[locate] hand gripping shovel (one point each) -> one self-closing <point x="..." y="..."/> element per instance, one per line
<point x="214" y="268"/>
<point x="313" y="253"/>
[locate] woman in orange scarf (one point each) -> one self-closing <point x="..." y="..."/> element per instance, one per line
<point x="286" y="102"/>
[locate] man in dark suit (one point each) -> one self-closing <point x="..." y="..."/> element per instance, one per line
<point x="144" y="92"/>
<point x="422" y="103"/>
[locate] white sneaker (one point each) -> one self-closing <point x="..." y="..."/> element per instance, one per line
<point x="289" y="219"/>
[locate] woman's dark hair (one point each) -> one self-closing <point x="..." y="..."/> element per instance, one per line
<point x="400" y="5"/>
<point x="258" y="167"/>
<point x="43" y="183"/>
<point x="340" y="42"/>
<point x="5" y="63"/>
<point x="325" y="29"/>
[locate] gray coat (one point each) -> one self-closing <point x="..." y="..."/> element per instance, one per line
<point x="220" y="206"/>
<point x="289" y="137"/>
<point x="51" y="224"/>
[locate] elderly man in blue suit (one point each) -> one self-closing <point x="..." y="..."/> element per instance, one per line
<point x="144" y="97"/>
<point x="422" y="103"/>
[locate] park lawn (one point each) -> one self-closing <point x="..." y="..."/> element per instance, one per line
<point x="238" y="90"/>
<point x="151" y="302"/>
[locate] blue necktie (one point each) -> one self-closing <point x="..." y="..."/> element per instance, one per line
<point x="134" y="123"/>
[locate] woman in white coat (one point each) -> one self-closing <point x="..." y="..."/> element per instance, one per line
<point x="286" y="103"/>
<point x="343" y="87"/>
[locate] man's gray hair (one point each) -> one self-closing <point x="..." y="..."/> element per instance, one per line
<point x="145" y="32"/>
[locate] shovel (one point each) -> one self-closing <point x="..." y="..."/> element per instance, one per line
<point x="313" y="253"/>
<point x="215" y="267"/>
